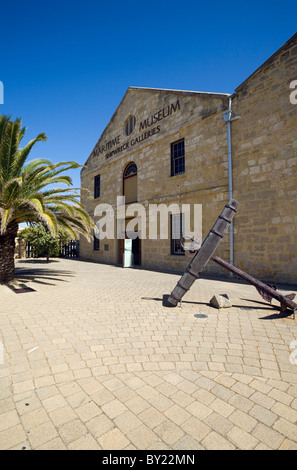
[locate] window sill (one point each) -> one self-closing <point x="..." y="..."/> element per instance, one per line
<point x="178" y="174"/>
<point x="177" y="256"/>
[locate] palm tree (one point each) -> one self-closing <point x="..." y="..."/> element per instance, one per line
<point x="29" y="193"/>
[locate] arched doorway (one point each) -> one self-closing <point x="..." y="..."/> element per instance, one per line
<point x="130" y="183"/>
<point x="130" y="193"/>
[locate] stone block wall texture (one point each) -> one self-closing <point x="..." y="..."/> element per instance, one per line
<point x="265" y="169"/>
<point x="264" y="164"/>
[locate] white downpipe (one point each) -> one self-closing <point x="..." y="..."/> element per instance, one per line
<point x="230" y="179"/>
<point x="228" y="117"/>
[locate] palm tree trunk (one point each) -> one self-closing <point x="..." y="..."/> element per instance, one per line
<point x="7" y="247"/>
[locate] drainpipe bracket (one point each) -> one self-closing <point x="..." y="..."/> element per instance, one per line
<point x="228" y="115"/>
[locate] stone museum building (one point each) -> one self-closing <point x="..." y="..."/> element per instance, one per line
<point x="200" y="148"/>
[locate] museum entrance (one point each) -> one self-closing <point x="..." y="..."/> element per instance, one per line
<point x="129" y="245"/>
<point x="129" y="252"/>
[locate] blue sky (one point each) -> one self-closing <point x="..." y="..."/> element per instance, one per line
<point x="66" y="65"/>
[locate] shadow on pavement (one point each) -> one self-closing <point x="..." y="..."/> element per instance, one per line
<point x="244" y="307"/>
<point x="260" y="306"/>
<point x="38" y="261"/>
<point x="274" y="316"/>
<point x="41" y="275"/>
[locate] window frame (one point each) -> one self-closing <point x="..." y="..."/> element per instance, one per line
<point x="179" y="158"/>
<point x="97" y="187"/>
<point x="96" y="243"/>
<point x="173" y="241"/>
<point x="130" y="125"/>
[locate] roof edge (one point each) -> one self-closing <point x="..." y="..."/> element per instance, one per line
<point x="170" y="90"/>
<point x="270" y="59"/>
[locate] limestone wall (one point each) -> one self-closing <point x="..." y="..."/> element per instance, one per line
<point x="264" y="145"/>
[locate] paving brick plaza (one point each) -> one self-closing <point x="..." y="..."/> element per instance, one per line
<point x="92" y="360"/>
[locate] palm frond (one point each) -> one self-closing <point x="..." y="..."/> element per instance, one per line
<point x="28" y="190"/>
<point x="22" y="154"/>
<point x="6" y="215"/>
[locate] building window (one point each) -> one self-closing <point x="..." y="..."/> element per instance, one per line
<point x="130" y="124"/>
<point x="177" y="229"/>
<point x="130" y="183"/>
<point x="97" y="186"/>
<point x="178" y="157"/>
<point x="96" y="246"/>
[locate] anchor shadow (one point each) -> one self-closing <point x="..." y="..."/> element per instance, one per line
<point x="260" y="306"/>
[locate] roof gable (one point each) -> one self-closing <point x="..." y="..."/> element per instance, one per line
<point x="151" y="109"/>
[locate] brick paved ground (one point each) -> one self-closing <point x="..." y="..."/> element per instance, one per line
<point x="92" y="360"/>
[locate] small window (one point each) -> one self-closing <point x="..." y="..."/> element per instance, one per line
<point x="97" y="186"/>
<point x="177" y="229"/>
<point x="178" y="157"/>
<point x="129" y="125"/>
<point x="96" y="246"/>
<point x="130" y="170"/>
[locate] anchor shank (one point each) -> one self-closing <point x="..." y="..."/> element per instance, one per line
<point x="202" y="257"/>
